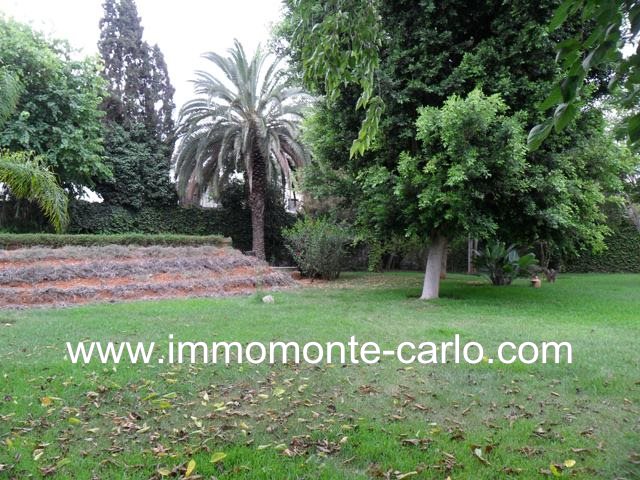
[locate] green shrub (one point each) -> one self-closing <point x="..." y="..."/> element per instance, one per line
<point x="502" y="264"/>
<point x="317" y="247"/>
<point x="22" y="240"/>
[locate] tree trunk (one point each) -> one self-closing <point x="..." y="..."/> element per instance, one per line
<point x="443" y="268"/>
<point x="472" y="247"/>
<point x="431" y="287"/>
<point x="256" y="200"/>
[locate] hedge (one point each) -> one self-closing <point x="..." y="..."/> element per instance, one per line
<point x="622" y="253"/>
<point x="21" y="240"/>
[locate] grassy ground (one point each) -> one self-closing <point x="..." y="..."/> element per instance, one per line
<point x="383" y="421"/>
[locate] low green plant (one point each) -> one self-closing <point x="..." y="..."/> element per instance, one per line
<point x="502" y="264"/>
<point x="317" y="247"/>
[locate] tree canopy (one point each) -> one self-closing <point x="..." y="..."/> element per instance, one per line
<point x="433" y="50"/>
<point x="54" y="107"/>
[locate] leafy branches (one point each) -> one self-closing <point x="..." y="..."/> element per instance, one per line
<point x="339" y="42"/>
<point x="617" y="24"/>
<point x="50" y="104"/>
<point x="10" y="90"/>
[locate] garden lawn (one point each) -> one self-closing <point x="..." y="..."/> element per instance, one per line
<point x="387" y="420"/>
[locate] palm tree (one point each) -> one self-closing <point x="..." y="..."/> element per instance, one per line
<point x="246" y="124"/>
<point x="28" y="179"/>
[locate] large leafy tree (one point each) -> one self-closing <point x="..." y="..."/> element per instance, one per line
<point x="243" y="123"/>
<point x="470" y="170"/>
<point x="472" y="176"/>
<point x="432" y="50"/>
<point x="139" y="128"/>
<point x="50" y="104"/>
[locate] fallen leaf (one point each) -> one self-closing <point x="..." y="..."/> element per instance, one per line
<point x="37" y="454"/>
<point x="191" y="466"/>
<point x="218" y="457"/>
<point x="406" y="475"/>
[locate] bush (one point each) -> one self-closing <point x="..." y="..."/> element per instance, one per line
<point x="502" y="264"/>
<point x="318" y="247"/>
<point x="23" y="240"/>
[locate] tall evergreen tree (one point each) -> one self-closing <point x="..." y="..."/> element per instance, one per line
<point x="139" y="128"/>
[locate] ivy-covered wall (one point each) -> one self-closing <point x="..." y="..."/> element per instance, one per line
<point x="622" y="253"/>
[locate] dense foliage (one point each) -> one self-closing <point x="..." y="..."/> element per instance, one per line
<point x="54" y="110"/>
<point x="471" y="168"/>
<point x="138" y="127"/>
<point x="432" y="50"/>
<point x="318" y="247"/>
<point x="622" y="252"/>
<point x="337" y="44"/>
<point x="28" y="179"/>
<point x="470" y="171"/>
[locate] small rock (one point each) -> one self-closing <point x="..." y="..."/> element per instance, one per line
<point x="268" y="299"/>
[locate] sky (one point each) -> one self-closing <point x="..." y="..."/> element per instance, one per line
<point x="183" y="29"/>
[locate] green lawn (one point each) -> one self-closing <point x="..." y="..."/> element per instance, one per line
<point x="380" y="421"/>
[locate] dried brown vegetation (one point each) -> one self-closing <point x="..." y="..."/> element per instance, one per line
<point x="43" y="276"/>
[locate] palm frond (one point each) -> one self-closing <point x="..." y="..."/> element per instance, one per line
<point x="250" y="102"/>
<point x="10" y="91"/>
<point x="28" y="179"/>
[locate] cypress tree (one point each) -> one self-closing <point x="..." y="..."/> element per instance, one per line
<point x="138" y="123"/>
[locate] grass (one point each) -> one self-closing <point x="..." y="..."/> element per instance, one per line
<point x="380" y="421"/>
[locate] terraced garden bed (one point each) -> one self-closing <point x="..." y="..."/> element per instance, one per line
<point x="80" y="274"/>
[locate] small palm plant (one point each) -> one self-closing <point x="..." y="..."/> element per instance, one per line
<point x="502" y="264"/>
<point x="245" y="124"/>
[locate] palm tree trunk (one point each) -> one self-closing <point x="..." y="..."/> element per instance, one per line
<point x="256" y="201"/>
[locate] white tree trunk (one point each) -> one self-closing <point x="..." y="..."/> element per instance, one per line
<point x="431" y="287"/>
